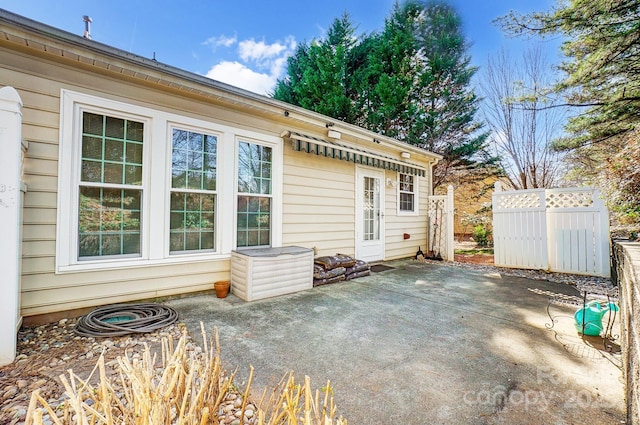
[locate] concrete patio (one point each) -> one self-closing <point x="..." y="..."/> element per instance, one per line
<point x="423" y="343"/>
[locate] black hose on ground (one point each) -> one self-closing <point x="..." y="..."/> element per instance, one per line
<point x="123" y="319"/>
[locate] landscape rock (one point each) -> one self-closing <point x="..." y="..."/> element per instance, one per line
<point x="45" y="352"/>
<point x="9" y="392"/>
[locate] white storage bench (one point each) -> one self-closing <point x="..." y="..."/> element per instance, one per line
<point x="268" y="272"/>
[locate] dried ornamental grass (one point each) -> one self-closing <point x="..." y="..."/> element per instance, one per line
<point x="187" y="389"/>
<point x="291" y="403"/>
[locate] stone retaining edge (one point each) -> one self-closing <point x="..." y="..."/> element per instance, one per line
<point x="626" y="274"/>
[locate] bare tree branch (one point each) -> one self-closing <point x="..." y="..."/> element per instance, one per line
<point x="522" y="120"/>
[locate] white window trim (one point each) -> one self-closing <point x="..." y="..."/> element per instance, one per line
<point x="156" y="184"/>
<point x="416" y="203"/>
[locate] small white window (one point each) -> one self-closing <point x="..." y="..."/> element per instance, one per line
<point x="407" y="194"/>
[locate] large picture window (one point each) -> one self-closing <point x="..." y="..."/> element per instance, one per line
<point x="193" y="196"/>
<point x="254" y="195"/>
<point x="109" y="212"/>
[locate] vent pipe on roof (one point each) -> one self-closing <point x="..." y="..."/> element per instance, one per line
<point x="87" y="27"/>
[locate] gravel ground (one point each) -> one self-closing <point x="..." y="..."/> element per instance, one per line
<point x="45" y="352"/>
<point x="570" y="279"/>
<point x="48" y="351"/>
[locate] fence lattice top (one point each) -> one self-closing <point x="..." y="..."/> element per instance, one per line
<point x="519" y="200"/>
<point x="553" y="198"/>
<point x="569" y="199"/>
<point x="436" y="203"/>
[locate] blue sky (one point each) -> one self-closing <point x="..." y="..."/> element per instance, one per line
<point x="246" y="42"/>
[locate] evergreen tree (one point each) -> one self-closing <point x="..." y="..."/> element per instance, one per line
<point x="449" y="126"/>
<point x="386" y="80"/>
<point x="411" y="81"/>
<point x="602" y="65"/>
<point x="296" y="65"/>
<point x="318" y="75"/>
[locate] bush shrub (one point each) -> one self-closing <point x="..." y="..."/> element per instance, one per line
<point x="482" y="235"/>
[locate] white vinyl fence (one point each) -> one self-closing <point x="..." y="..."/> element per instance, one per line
<point x="440" y="235"/>
<point x="559" y="230"/>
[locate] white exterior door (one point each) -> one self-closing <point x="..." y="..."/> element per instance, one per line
<point x="369" y="214"/>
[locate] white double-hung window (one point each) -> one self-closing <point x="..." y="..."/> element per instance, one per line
<point x="193" y="191"/>
<point x="110" y="186"/>
<point x="103" y="183"/>
<point x="138" y="186"/>
<point x="254" y="194"/>
<point x="407" y="194"/>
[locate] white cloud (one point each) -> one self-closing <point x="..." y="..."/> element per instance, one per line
<point x="240" y="75"/>
<point x="259" y="51"/>
<point x="256" y="51"/>
<point x="278" y="65"/>
<point x="259" y="65"/>
<point x="221" y="40"/>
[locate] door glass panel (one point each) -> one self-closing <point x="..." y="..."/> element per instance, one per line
<point x="371" y="209"/>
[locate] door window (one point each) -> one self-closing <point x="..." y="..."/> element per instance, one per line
<point x="371" y="209"/>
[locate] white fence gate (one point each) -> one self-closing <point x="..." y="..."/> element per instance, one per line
<point x="440" y="237"/>
<point x="560" y="230"/>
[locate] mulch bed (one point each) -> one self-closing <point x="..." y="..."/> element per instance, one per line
<point x="483" y="259"/>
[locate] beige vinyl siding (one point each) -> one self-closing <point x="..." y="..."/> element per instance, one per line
<point x="44" y="291"/>
<point x="40" y="120"/>
<point x="75" y="290"/>
<point x="397" y="225"/>
<point x="38" y="248"/>
<point x="105" y="277"/>
<point x="318" y="203"/>
<point x="319" y="208"/>
<point x="318" y="199"/>
<point x="42" y="200"/>
<point x="36" y="232"/>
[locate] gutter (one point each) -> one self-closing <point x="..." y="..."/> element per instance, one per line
<point x="10" y="19"/>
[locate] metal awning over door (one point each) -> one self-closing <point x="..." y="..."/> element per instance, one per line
<point x="330" y="149"/>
